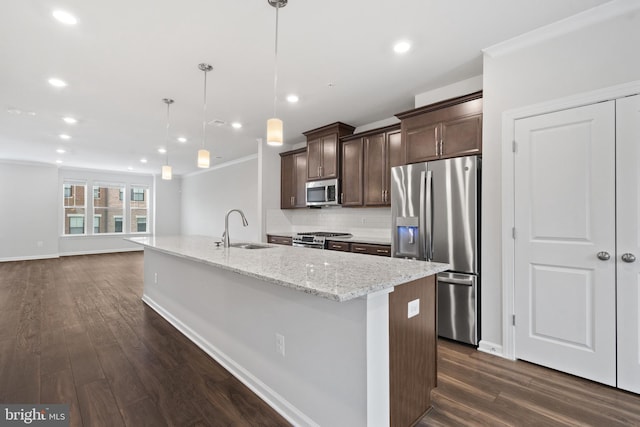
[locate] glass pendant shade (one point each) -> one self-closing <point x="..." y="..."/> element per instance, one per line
<point x="203" y="158"/>
<point x="166" y="173"/>
<point x="274" y="132"/>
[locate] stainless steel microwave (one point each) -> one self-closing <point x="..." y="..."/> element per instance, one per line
<point x="322" y="193"/>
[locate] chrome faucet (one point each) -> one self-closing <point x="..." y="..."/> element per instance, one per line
<point x="225" y="236"/>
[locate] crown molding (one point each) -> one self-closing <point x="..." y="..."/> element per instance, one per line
<point x="567" y="25"/>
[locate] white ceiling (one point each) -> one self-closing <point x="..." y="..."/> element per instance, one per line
<point x="124" y="56"/>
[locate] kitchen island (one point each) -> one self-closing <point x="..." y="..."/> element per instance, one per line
<point x="324" y="337"/>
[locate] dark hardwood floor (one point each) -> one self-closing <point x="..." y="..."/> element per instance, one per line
<point x="74" y="330"/>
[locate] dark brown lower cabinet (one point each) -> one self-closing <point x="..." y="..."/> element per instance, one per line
<point x="339" y="246"/>
<point x="366" y="248"/>
<point x="279" y="240"/>
<point x="412" y="351"/>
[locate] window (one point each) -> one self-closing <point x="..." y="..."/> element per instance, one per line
<point x="96" y="224"/>
<point x="74" y="208"/>
<point x="138" y="209"/>
<point x="141" y="224"/>
<point x="76" y="224"/>
<point x="137" y="194"/>
<point x="107" y="205"/>
<point x="117" y="224"/>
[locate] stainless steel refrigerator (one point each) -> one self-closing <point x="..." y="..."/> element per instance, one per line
<point x="435" y="211"/>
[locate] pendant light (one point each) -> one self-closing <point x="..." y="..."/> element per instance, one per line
<point x="274" y="125"/>
<point x="166" y="168"/>
<point x="203" y="154"/>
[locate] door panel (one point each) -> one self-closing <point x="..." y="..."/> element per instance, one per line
<point x="314" y="158"/>
<point x="564" y="216"/>
<point x="352" y="173"/>
<point x="375" y="179"/>
<point x="300" y="166"/>
<point x="628" y="218"/>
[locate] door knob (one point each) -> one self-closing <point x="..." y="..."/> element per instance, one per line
<point x="628" y="257"/>
<point x="603" y="256"/>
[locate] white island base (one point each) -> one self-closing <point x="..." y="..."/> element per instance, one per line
<point x="360" y="362"/>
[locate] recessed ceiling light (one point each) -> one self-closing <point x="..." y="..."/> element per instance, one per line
<point x="293" y="98"/>
<point x="402" y="47"/>
<point x="130" y="168"/>
<point x="64" y="136"/>
<point x="60" y="151"/>
<point x="162" y="150"/>
<point x="182" y="139"/>
<point x="70" y="120"/>
<point x="65" y="17"/>
<point x="30" y="113"/>
<point x="143" y="160"/>
<point x="236" y="125"/>
<point x="57" y="82"/>
<point x="58" y="161"/>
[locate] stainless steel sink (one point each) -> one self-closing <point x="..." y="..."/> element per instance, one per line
<point x="249" y="246"/>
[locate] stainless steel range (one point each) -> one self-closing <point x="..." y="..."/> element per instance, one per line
<point x="315" y="239"/>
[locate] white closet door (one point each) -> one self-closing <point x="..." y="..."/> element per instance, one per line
<point x="628" y="213"/>
<point x="564" y="216"/>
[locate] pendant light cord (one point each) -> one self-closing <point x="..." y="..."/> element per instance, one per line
<point x="167" y="134"/>
<point x="275" y="73"/>
<point x="204" y="111"/>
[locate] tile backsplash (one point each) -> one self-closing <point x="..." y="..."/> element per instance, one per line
<point x="365" y="222"/>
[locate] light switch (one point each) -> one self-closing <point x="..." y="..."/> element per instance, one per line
<point x="413" y="308"/>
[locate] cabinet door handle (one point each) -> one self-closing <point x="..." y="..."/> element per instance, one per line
<point x="293" y="200"/>
<point x="359" y="249"/>
<point x="341" y="198"/>
<point x="382" y="251"/>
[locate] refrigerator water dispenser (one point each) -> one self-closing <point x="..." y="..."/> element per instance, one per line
<point x="407" y="238"/>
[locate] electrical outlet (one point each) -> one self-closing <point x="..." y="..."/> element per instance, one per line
<point x="413" y="308"/>
<point x="364" y="220"/>
<point x="39" y="243"/>
<point x="280" y="344"/>
<point x="155" y="278"/>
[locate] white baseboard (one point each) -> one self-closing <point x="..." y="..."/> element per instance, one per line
<point x="273" y="399"/>
<point x="102" y="251"/>
<point x="29" y="258"/>
<point x="491" y="348"/>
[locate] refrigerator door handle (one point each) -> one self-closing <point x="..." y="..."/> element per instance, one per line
<point x="422" y="226"/>
<point x="429" y="216"/>
<point x="466" y="282"/>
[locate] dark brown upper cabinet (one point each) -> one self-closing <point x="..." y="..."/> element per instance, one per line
<point x="323" y="160"/>
<point x="352" y="173"/>
<point x="450" y="128"/>
<point x="293" y="175"/>
<point x="367" y="159"/>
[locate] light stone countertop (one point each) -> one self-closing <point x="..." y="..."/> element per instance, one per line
<point x="335" y="275"/>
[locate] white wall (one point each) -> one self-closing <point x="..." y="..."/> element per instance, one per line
<point x="269" y="183"/>
<point x="28" y="211"/>
<point x="208" y="195"/>
<point x="453" y="90"/>
<point x="596" y="56"/>
<point x="167" y="207"/>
